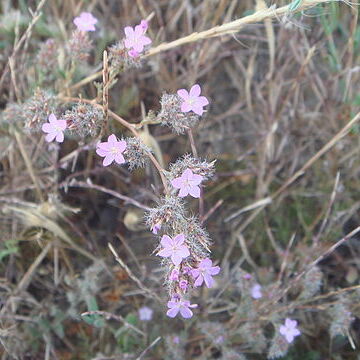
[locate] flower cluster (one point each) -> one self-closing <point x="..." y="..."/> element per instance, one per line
<point x="135" y="39"/>
<point x="85" y="22"/>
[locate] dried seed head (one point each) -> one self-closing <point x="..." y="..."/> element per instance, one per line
<point x="83" y="120"/>
<point x="172" y="116"/>
<point x="197" y="166"/>
<point x="80" y="45"/>
<point x="168" y="213"/>
<point x="136" y="153"/>
<point x="36" y="110"/>
<point x="120" y="59"/>
<point x="47" y="56"/>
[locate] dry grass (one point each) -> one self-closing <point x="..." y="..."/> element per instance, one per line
<point x="75" y="256"/>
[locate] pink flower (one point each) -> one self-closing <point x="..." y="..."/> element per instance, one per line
<point x="112" y="150"/>
<point x="145" y="313"/>
<point x="176" y="305"/>
<point x="85" y="22"/>
<point x="256" y="291"/>
<point x="155" y="229"/>
<point x="289" y="330"/>
<point x="54" y="129"/>
<point x="134" y="54"/>
<point x="174" y="248"/>
<point x="188" y="183"/>
<point x="183" y="284"/>
<point x="174" y="275"/>
<point x="136" y="39"/>
<point x="204" y="272"/>
<point x="193" y="101"/>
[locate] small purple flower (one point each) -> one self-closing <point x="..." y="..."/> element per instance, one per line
<point x="135" y="38"/>
<point x="188" y="183"/>
<point x="247" y="276"/>
<point x="54" y="129"/>
<point x="133" y="53"/>
<point x="112" y="150"/>
<point x="186" y="270"/>
<point x="155" y="229"/>
<point x="180" y="305"/>
<point x="256" y="291"/>
<point x="174" y="248"/>
<point x="176" y="340"/>
<point x="289" y="330"/>
<point x="204" y="272"/>
<point x="192" y="100"/>
<point x="174" y="275"/>
<point x="183" y="284"/>
<point x="145" y="313"/>
<point x="85" y="22"/>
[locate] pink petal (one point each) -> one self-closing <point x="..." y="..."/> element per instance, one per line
<point x="101" y="152"/>
<point x="176" y="258"/>
<point x="46" y="128"/>
<point x="197" y="109"/>
<point x="186" y="107"/>
<point x="50" y="137"/>
<point x="177" y="183"/>
<point x="183" y="192"/>
<point x="195" y="273"/>
<point x="52" y="119"/>
<point x="129" y="31"/>
<point x="202" y="101"/>
<point x="206" y="263"/>
<point x="290" y="323"/>
<point x="172" y="312"/>
<point x="128" y="43"/>
<point x="138" y="30"/>
<point x="289" y="337"/>
<point x="209" y="281"/>
<point x="60" y="137"/>
<point x="199" y="281"/>
<point x="194" y="192"/>
<point x="166" y="241"/>
<point x="196" y="179"/>
<point x="214" y="270"/>
<point x="184" y="251"/>
<point x="105" y="146"/>
<point x="62" y="124"/>
<point x="119" y="159"/>
<point x="187" y="174"/>
<point x="121" y="145"/>
<point x="185" y="312"/>
<point x="183" y="94"/>
<point x="283" y="330"/>
<point x="195" y="90"/>
<point x="179" y="239"/>
<point x="166" y="252"/>
<point x="112" y="139"/>
<point x="109" y="158"/>
<point x="138" y="46"/>
<point x="296" y="332"/>
<point x="145" y="40"/>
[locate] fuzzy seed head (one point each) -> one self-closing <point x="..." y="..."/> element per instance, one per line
<point x="80" y="45"/>
<point x="172" y="116"/>
<point x="83" y="120"/>
<point x="136" y="153"/>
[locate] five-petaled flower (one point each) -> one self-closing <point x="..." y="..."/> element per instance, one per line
<point x="256" y="291"/>
<point x="289" y="330"/>
<point x="136" y="39"/>
<point x="175" y="305"/>
<point x="112" y="150"/>
<point x="145" y="313"/>
<point x="204" y="272"/>
<point x="174" y="248"/>
<point x="188" y="183"/>
<point x="192" y="100"/>
<point x="54" y="129"/>
<point x="85" y="22"/>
